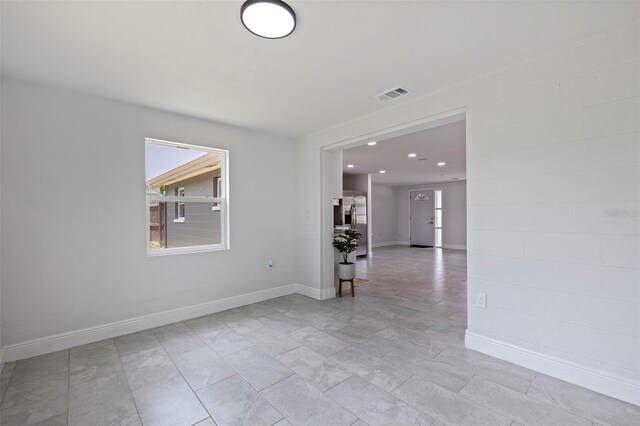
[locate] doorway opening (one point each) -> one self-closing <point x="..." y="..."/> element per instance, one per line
<point x="425" y="160"/>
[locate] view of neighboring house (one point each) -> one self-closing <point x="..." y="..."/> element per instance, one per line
<point x="175" y="224"/>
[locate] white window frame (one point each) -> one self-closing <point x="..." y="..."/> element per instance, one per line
<point x="222" y="201"/>
<point x="179" y="218"/>
<point x="219" y="190"/>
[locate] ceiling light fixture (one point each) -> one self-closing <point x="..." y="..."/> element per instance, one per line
<point x="412" y="155"/>
<point x="372" y="143"/>
<point x="350" y="166"/>
<point x="383" y="171"/>
<point x="442" y="163"/>
<point x="268" y="18"/>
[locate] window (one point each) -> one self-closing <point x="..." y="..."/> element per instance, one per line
<point x="217" y="191"/>
<point x="187" y="198"/>
<point x="438" y="217"/>
<point x="179" y="207"/>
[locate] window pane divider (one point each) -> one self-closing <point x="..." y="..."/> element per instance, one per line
<point x="185" y="199"/>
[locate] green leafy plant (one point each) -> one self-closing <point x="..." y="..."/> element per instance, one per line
<point x="163" y="189"/>
<point x="346" y="242"/>
<point x="154" y="245"/>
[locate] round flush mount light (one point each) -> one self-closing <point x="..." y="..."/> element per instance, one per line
<point x="268" y="18"/>
<point x="383" y="171"/>
<point x="350" y="166"/>
<point x="441" y="163"/>
<point x="372" y="143"/>
<point x="412" y="155"/>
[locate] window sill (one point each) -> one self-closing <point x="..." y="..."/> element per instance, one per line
<point x="179" y="220"/>
<point x="186" y="250"/>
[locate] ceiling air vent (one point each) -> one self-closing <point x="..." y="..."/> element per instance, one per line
<point x="392" y="94"/>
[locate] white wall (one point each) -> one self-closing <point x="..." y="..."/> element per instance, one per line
<point x="552" y="150"/>
<point x="454" y="212"/>
<point x="73" y="219"/>
<point x="384" y="215"/>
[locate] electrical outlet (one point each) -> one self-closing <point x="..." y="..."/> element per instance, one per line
<point x="481" y="300"/>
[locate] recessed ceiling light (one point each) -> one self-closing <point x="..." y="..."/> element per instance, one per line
<point x="441" y="163"/>
<point x="268" y="18"/>
<point x="350" y="166"/>
<point x="372" y="143"/>
<point x="412" y="155"/>
<point x="383" y="171"/>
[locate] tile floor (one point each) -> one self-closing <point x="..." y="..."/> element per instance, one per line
<point x="393" y="355"/>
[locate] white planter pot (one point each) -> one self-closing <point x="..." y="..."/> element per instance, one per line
<point x="347" y="271"/>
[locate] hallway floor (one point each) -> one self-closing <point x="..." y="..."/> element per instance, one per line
<point x="392" y="355"/>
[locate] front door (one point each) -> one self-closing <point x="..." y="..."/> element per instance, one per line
<point x="421" y="213"/>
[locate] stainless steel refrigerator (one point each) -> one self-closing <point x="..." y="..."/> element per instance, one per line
<point x="354" y="207"/>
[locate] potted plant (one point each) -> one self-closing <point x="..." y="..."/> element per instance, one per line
<point x="345" y="243"/>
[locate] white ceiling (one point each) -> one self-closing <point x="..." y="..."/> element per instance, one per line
<point x="196" y="58"/>
<point x="444" y="143"/>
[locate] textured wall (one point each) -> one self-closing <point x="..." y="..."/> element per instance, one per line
<point x="553" y="192"/>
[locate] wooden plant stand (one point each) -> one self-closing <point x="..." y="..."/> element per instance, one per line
<point x="353" y="287"/>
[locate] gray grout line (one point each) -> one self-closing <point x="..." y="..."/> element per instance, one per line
<point x="237" y="373"/>
<point x="69" y="389"/>
<point x="535" y="376"/>
<point x="403" y="382"/>
<point x="8" y="384"/>
<point x="267" y="401"/>
<point x="203" y="404"/>
<point x="293" y="373"/>
<point x="200" y="421"/>
<point x="338" y="384"/>
<point x="128" y="385"/>
<point x="195" y="393"/>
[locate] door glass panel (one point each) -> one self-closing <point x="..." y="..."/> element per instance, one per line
<point x="438" y="199"/>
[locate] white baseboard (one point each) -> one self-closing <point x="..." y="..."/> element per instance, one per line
<point x="70" y="339"/>
<point x="315" y="293"/>
<point x="328" y="293"/>
<point x="597" y="380"/>
<point x="390" y="243"/>
<point x="311" y="292"/>
<point x="455" y="246"/>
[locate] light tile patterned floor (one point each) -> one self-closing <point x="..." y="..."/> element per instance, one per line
<point x="393" y="355"/>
